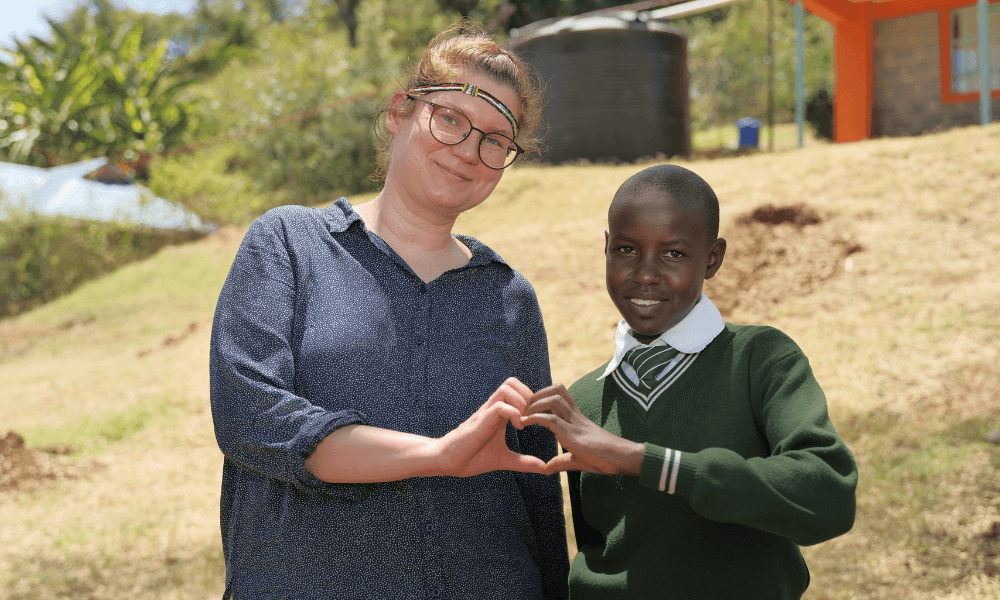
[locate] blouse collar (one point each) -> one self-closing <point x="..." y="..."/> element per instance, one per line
<point x="341" y="215"/>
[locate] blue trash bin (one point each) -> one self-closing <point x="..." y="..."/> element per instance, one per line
<point x="749" y="132"/>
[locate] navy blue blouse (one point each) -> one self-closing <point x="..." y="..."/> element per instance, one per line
<point x="320" y="325"/>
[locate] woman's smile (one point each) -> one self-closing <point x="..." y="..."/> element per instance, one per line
<point x="453" y="172"/>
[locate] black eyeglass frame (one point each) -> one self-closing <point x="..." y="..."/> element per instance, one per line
<point x="518" y="150"/>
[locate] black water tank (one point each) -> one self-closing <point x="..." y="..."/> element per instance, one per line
<point x="616" y="86"/>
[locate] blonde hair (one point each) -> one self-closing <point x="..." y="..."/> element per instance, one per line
<point x="466" y="48"/>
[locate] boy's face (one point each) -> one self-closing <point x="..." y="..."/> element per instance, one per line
<point x="658" y="255"/>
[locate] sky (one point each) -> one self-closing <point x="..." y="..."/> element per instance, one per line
<point x="22" y="18"/>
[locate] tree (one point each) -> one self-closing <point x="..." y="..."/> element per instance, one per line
<point x="144" y="98"/>
<point x="109" y="20"/>
<point x="529" y="11"/>
<point x="347" y="10"/>
<point x="89" y="93"/>
<point x="51" y="90"/>
<point x="463" y="7"/>
<point x="728" y="66"/>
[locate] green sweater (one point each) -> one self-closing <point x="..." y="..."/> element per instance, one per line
<point x="761" y="471"/>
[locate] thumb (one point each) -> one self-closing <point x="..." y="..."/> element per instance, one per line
<point x="562" y="462"/>
<point x="525" y="463"/>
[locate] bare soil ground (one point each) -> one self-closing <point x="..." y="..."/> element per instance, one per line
<point x="22" y="468"/>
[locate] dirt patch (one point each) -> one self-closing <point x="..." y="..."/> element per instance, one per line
<point x="172" y="340"/>
<point x="17" y="339"/>
<point x="799" y="215"/>
<point x="775" y="253"/>
<point x="22" y="467"/>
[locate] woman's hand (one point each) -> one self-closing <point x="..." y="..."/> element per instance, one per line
<point x="478" y="445"/>
<point x="588" y="447"/>
<point x="364" y="454"/>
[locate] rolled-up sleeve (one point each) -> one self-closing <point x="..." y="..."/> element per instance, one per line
<point x="260" y="422"/>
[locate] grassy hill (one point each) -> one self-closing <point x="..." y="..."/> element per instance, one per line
<point x="878" y="258"/>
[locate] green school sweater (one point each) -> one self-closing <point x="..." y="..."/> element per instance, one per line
<point x="761" y="471"/>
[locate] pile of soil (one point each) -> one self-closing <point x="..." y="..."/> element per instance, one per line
<point x="22" y="467"/>
<point x="775" y="253"/>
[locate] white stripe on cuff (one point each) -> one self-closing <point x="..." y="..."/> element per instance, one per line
<point x="665" y="469"/>
<point x="673" y="474"/>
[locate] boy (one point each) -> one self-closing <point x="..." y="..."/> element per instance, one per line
<point x="707" y="453"/>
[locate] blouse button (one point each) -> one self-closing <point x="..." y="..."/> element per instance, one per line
<point x="430" y="527"/>
<point x="436" y="592"/>
<point x="423" y="288"/>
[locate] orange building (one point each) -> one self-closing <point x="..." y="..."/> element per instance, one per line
<point x="904" y="67"/>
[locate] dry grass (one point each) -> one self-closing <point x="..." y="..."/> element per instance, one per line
<point x="893" y="294"/>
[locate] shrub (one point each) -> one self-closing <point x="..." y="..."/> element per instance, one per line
<point x="42" y="258"/>
<point x="819" y="113"/>
<point x="213" y="183"/>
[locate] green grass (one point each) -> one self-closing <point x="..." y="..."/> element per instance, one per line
<point x="92" y="432"/>
<point x="786" y="137"/>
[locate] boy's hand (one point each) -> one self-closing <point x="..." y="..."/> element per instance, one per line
<point x="588" y="447"/>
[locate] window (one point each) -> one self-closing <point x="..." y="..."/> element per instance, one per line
<point x="964" y="49"/>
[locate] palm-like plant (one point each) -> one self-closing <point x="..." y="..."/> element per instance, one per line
<point x="144" y="104"/>
<point x="50" y="91"/>
<point x="89" y="94"/>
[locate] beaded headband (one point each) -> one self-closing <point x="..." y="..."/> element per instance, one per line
<point x="471" y="90"/>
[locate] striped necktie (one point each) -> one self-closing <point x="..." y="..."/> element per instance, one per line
<point x="648" y="362"/>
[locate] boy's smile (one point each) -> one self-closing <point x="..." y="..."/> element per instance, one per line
<point x="658" y="254"/>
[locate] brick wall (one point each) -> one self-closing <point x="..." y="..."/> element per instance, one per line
<point x="908" y="80"/>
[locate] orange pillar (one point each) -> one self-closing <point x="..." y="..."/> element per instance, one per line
<point x="854" y="48"/>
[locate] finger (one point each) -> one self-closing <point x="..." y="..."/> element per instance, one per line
<point x="525" y="463"/>
<point x="553" y="404"/>
<point x="511" y="394"/>
<point x="502" y="412"/>
<point x="519" y="387"/>
<point x="547" y="420"/>
<point x="557" y="389"/>
<point x="545" y="392"/>
<point x="562" y="462"/>
<point x="565" y="395"/>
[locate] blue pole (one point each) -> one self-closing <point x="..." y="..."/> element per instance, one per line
<point x="800" y="91"/>
<point x="985" y="104"/>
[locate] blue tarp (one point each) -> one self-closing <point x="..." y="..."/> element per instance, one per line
<point x="64" y="191"/>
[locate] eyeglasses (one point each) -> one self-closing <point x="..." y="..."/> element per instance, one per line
<point x="451" y="127"/>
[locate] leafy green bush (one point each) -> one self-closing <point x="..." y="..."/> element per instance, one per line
<point x="301" y="105"/>
<point x="213" y="183"/>
<point x="43" y="258"/>
<point x="819" y="113"/>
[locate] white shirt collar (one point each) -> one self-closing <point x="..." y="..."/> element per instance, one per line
<point x="692" y="334"/>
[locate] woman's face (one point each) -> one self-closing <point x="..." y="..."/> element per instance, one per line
<point x="446" y="179"/>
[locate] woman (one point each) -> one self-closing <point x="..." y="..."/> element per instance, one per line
<point x="365" y="365"/>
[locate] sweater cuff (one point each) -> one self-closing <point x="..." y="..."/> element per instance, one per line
<point x="660" y="468"/>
